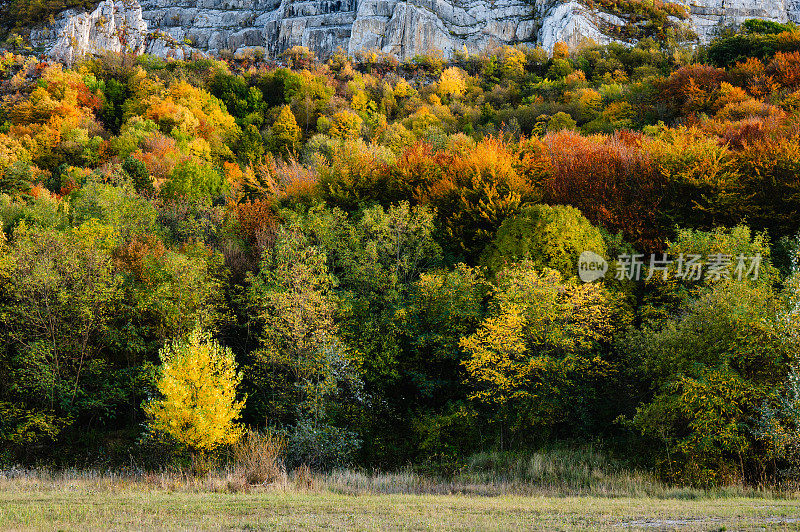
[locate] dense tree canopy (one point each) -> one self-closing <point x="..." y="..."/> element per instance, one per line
<point x="391" y="252"/>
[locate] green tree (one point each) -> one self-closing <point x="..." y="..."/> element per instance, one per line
<point x="16" y="178"/>
<point x="723" y="354"/>
<point x="58" y="295"/>
<point x="443" y="307"/>
<point x="401" y="237"/>
<point x="291" y="298"/>
<point x="303" y="375"/>
<point x="168" y="293"/>
<point x="142" y="181"/>
<point x="375" y="257"/>
<point x="194" y="180"/>
<point x="548" y="236"/>
<point x="561" y="121"/>
<point x="117" y="206"/>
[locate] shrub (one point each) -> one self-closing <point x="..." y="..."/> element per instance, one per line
<point x="644" y="18"/>
<point x="257" y="457"/>
<point x="785" y="68"/>
<point x="256" y="220"/>
<point x="713" y="365"/>
<point x="356" y="173"/>
<point x="320" y="446"/>
<point x="765" y="27"/>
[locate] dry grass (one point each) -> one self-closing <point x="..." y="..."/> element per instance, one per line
<point x="84" y="501"/>
<point x="256" y="467"/>
<point x="582" y="471"/>
<point x="303" y="478"/>
<point x="257" y="458"/>
<point x="554" y="490"/>
<point x="349" y="482"/>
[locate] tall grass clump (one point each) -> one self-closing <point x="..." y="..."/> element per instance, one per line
<point x="257" y="458"/>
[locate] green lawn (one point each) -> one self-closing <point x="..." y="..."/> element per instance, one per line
<point x="77" y="506"/>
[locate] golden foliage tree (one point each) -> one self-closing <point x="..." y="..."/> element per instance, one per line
<point x="346" y="125"/>
<point x="452" y="83"/>
<point x="285" y="131"/>
<point x="560" y="50"/>
<point x="478" y="189"/>
<point x="535" y="353"/>
<point x="197" y="382"/>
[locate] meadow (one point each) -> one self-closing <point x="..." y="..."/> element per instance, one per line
<point x="86" y="501"/>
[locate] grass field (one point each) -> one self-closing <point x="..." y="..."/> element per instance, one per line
<point x="82" y="504"/>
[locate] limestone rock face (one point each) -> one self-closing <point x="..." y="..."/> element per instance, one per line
<point x="708" y="15"/>
<point x="404" y="28"/>
<point x="572" y="23"/>
<point x="320" y="25"/>
<point x="113" y="26"/>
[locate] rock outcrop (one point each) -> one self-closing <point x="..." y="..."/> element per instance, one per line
<point x="113" y="26"/>
<point x="404" y="28"/>
<point x="708" y="15"/>
<point x="573" y="23"/>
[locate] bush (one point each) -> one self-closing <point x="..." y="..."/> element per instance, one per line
<point x="257" y="457"/>
<point x="320" y="446"/>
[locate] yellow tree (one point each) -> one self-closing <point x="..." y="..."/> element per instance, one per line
<point x="299" y="57"/>
<point x="285" y="131"/>
<point x="452" y="83"/>
<point x="534" y="357"/>
<point x="346" y="125"/>
<point x="513" y="61"/>
<point x="197" y="382"/>
<point x="560" y="50"/>
<point x="499" y="357"/>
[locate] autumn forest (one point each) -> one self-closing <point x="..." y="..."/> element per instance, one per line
<point x="381" y="263"/>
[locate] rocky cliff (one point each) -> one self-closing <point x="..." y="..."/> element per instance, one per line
<point x="403" y="28"/>
<point x="707" y="15"/>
